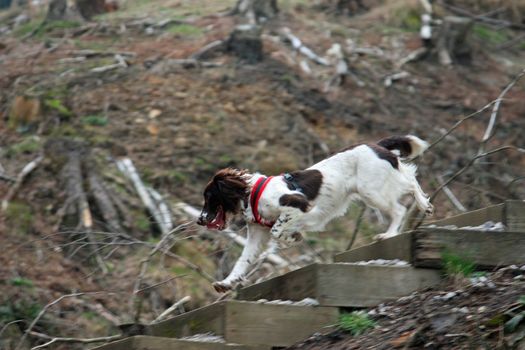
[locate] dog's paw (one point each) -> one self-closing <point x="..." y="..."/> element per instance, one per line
<point x="429" y="211"/>
<point x="222" y="287"/>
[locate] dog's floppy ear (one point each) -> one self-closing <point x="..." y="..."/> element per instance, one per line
<point x="232" y="185"/>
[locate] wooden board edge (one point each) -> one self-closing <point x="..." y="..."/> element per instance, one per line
<point x="380" y="250"/>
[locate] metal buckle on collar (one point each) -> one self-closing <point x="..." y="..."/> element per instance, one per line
<point x="290" y="179"/>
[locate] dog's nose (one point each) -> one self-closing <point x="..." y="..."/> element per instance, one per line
<point x="202" y="219"/>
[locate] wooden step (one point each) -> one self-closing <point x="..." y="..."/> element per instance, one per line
<point x="486" y="249"/>
<point x="398" y="247"/>
<point x="344" y="285"/>
<point x="142" y="342"/>
<point x="250" y="323"/>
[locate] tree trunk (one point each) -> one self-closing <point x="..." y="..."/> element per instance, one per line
<point x="83" y="9"/>
<point x="452" y="44"/>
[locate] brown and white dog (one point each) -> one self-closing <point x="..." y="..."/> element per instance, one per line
<point x="281" y="207"/>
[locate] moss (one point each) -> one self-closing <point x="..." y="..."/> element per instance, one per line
<point x="21" y="282"/>
<point x="26" y="28"/>
<point x="142" y="222"/>
<point x="29" y="145"/>
<point x="19" y="217"/>
<point x="57" y="105"/>
<point x="95" y="120"/>
<point x="490" y="35"/>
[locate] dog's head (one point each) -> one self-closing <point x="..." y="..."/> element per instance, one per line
<point x="223" y="196"/>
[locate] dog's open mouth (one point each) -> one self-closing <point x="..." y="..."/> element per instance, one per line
<point x="219" y="223"/>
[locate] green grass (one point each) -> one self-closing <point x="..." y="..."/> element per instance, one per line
<point x="28" y="145"/>
<point x="356" y="322"/>
<point x="185" y="30"/>
<point x="456" y="265"/>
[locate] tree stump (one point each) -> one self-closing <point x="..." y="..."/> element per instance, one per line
<point x="452" y="43"/>
<point x="245" y="42"/>
<point x="257" y="11"/>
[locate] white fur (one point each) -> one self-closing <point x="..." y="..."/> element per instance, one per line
<point x="356" y="173"/>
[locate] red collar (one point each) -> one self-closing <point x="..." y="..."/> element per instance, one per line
<point x="255" y="195"/>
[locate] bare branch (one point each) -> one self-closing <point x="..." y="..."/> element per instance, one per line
<point x="172" y="308"/>
<point x="19" y="180"/>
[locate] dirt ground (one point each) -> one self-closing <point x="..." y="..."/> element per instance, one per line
<point x="180" y="124"/>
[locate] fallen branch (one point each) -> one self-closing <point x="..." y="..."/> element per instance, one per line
<point x="126" y="166"/>
<point x="19" y="181"/>
<point x="121" y="63"/>
<point x="171" y="309"/>
<point x="214" y="46"/>
<point x="53" y="340"/>
<point x="298" y="45"/>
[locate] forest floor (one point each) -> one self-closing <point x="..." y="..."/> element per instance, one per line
<point x="179" y="124"/>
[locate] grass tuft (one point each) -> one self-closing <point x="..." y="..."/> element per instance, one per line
<point x="356" y="322"/>
<point x="456" y="265"/>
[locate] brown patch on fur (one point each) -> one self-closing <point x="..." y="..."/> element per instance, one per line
<point x="400" y="143"/>
<point x="309" y="181"/>
<point x="294" y="200"/>
<point x="385" y="154"/>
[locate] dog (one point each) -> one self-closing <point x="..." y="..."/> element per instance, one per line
<point x="282" y="207"/>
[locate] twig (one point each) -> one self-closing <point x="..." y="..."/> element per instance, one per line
<point x="273" y="258"/>
<point x="121" y="63"/>
<point x="172" y="308"/>
<point x="45" y="308"/>
<point x="495" y="109"/>
<point x="451" y="196"/>
<point x="357" y="226"/>
<point x="19" y="180"/>
<point x="481" y="18"/>
<point x="53" y="340"/>
<point x="216" y="45"/>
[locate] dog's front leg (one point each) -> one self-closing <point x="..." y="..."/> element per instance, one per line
<point x="258" y="238"/>
<point x="287" y="227"/>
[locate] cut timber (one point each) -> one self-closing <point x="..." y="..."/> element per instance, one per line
<point x="141" y="342"/>
<point x="249" y="323"/>
<point x="398" y="247"/>
<point x="484" y="248"/>
<point x="515" y="216"/>
<point x="344" y="285"/>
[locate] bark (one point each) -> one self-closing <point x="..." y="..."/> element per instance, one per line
<point x="257" y="11"/>
<point x="453" y="44"/>
<point x="245" y="42"/>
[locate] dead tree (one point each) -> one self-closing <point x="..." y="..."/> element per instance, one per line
<point x="245" y="42"/>
<point x="256" y="11"/>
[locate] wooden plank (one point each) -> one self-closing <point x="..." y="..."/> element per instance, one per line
<point x="142" y="342"/>
<point x="295" y="285"/>
<point x="275" y="325"/>
<point x="398" y="247"/>
<point x="484" y="248"/>
<point x="474" y="218"/>
<point x="515" y="215"/>
<point x="369" y="285"/>
<point x="206" y="319"/>
<point x="123" y="344"/>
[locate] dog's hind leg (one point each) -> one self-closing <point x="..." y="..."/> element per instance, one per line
<point x="258" y="238"/>
<point x="396" y="213"/>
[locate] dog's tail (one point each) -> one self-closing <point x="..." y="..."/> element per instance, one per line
<point x="408" y="146"/>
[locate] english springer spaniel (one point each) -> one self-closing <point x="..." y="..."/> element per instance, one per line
<point x="281" y="207"/>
